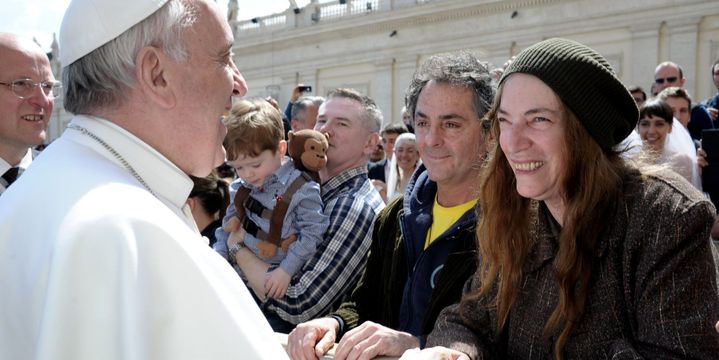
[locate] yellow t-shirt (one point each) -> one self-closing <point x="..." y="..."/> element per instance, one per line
<point x="444" y="217"/>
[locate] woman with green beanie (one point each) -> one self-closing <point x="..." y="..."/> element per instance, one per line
<point x="582" y="255"/>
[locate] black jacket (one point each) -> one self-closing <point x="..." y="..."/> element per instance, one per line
<point x="375" y="170"/>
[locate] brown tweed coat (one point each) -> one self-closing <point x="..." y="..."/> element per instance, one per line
<point x="653" y="291"/>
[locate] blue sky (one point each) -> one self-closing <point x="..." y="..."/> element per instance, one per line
<point x="41" y="18"/>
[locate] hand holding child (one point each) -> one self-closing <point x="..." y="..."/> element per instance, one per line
<point x="277" y="282"/>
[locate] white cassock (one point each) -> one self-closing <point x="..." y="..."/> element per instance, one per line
<point x="94" y="266"/>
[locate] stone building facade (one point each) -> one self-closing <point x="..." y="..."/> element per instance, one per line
<point x="376" y="45"/>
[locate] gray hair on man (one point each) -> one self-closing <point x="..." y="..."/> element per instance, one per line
<point x="302" y="104"/>
<point x="100" y="78"/>
<point x="458" y="69"/>
<point x="373" y="115"/>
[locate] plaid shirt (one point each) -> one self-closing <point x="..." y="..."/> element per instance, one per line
<point x="351" y="202"/>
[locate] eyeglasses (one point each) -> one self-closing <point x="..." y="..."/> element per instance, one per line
<point x="23" y="88"/>
<point x="669" y="80"/>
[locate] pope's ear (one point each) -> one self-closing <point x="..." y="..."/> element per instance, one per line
<point x="153" y="76"/>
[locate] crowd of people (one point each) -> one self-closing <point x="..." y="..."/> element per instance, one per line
<point x="542" y="209"/>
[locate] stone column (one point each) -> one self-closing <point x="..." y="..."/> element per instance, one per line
<point x="404" y="69"/>
<point x="289" y="81"/>
<point x="497" y="53"/>
<point x="645" y="55"/>
<point x="683" y="48"/>
<point x="291" y="17"/>
<point x="382" y="88"/>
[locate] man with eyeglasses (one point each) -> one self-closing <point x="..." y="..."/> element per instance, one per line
<point x="669" y="74"/>
<point x="27" y="92"/>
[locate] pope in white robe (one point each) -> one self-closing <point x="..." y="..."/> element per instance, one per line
<point x="100" y="258"/>
<point x="116" y="272"/>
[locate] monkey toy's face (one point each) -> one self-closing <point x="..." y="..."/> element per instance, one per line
<point x="308" y="148"/>
<point x="314" y="156"/>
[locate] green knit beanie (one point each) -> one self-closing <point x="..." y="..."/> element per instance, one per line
<point x="586" y="83"/>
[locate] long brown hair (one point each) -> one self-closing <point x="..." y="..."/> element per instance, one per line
<point x="591" y="182"/>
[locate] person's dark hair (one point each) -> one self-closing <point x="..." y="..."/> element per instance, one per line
<point x="716" y="62"/>
<point x="658" y="108"/>
<point x="373" y="115"/>
<point x="394" y="128"/>
<point x="636" y="88"/>
<point x="457" y="69"/>
<point x="213" y="193"/>
<point x="225" y="171"/>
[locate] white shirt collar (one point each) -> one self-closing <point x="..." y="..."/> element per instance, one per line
<point x="24" y="162"/>
<point x="165" y="179"/>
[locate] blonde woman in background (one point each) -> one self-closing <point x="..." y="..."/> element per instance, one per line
<point x="405" y="159"/>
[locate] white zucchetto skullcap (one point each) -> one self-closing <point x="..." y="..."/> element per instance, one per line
<point x="89" y="24"/>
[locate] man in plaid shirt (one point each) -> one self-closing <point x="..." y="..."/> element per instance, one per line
<point x="352" y="121"/>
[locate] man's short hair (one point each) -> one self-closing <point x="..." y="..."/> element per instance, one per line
<point x="394" y="128"/>
<point x="372" y="114"/>
<point x="636" y="88"/>
<point x="299" y="106"/>
<point x="253" y="126"/>
<point x="101" y="78"/>
<point x="457" y="69"/>
<point x="677" y="92"/>
<point x="716" y="62"/>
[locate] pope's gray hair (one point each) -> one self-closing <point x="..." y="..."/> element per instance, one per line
<point x="101" y="78"/>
